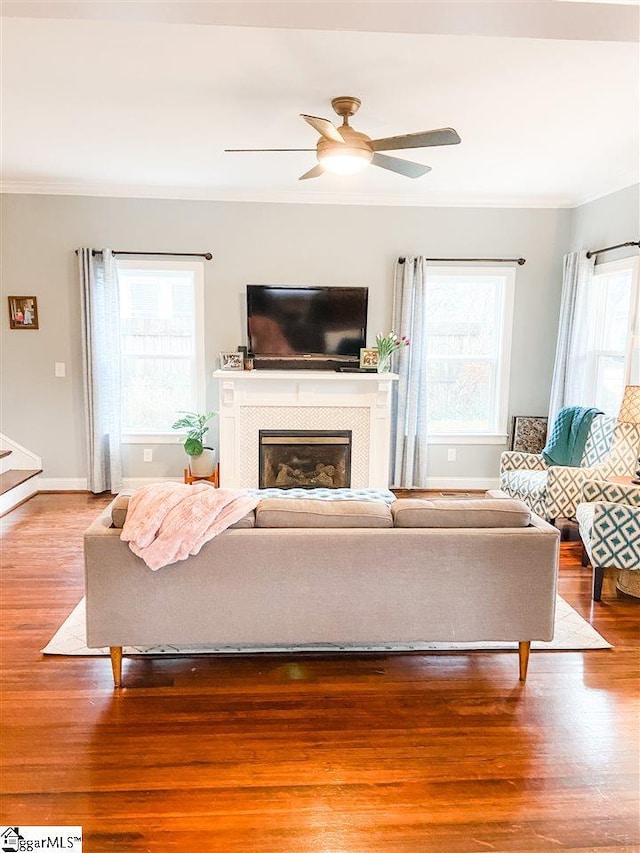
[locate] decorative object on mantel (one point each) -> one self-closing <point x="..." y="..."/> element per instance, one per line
<point x="23" y="312"/>
<point x="202" y="460"/>
<point x="387" y="345"/>
<point x="368" y="358"/>
<point x="528" y="434"/>
<point x="231" y="361"/>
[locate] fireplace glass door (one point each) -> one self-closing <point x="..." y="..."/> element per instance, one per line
<point x="307" y="459"/>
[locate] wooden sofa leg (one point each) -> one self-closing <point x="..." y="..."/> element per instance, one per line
<point x="116" y="664"/>
<point x="524" y="648"/>
<point x="584" y="557"/>
<point x="598" y="577"/>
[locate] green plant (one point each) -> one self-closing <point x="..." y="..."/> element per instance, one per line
<point x="196" y="426"/>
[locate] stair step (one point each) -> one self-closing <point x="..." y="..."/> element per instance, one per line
<point x="13" y="478"/>
<point x="4" y="453"/>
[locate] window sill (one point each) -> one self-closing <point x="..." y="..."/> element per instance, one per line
<point x="468" y="438"/>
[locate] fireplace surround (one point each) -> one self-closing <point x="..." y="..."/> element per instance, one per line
<point x="303" y="400"/>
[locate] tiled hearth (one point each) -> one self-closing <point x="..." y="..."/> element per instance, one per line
<point x="256" y="400"/>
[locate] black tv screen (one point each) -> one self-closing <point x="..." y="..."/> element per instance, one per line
<point x="288" y="321"/>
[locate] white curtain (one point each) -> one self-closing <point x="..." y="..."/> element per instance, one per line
<point x="409" y="437"/>
<point x="570" y="377"/>
<point x="101" y="369"/>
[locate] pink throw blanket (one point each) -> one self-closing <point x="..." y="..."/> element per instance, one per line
<point x="167" y="522"/>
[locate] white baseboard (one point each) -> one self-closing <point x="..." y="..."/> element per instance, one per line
<point x="62" y="484"/>
<point x="138" y="482"/>
<point x="463" y="483"/>
<point x="79" y="484"/>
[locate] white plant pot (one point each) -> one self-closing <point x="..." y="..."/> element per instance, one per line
<point x="203" y="465"/>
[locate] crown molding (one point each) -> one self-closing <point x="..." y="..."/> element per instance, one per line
<point x="306" y="196"/>
<point x="623" y="184"/>
<point x="284" y="197"/>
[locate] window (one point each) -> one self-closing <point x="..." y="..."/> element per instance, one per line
<point x="468" y="317"/>
<point x="614" y="333"/>
<point x="161" y="342"/>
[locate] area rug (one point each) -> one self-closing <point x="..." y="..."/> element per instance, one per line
<point x="572" y="633"/>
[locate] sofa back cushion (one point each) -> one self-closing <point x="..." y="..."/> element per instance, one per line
<point x="120" y="505"/>
<point x="483" y="512"/>
<point x="301" y="512"/>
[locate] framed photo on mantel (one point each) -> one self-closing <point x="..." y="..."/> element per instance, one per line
<point x="528" y="434"/>
<point x="231" y="361"/>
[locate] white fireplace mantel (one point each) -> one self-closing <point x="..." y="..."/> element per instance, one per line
<point x="251" y="400"/>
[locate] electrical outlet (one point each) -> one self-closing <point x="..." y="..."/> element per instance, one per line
<point x="147" y="455"/>
<point x="451" y="454"/>
<point x="59" y="369"/>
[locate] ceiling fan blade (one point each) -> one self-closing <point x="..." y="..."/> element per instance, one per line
<point x="426" y="139"/>
<point x="312" y="173"/>
<point x="324" y="127"/>
<point x="246" y="150"/>
<point x="402" y="167"/>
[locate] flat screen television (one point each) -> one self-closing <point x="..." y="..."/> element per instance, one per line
<point x="326" y="326"/>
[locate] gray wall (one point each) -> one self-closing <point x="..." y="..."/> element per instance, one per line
<point x="608" y="221"/>
<point x="259" y="243"/>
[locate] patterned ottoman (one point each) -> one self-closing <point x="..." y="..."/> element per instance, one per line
<point x="328" y="494"/>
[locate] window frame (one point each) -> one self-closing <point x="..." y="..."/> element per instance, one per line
<point x="631" y="354"/>
<point x="197" y="268"/>
<point x="503" y="370"/>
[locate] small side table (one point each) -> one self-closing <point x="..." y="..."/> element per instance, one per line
<point x="213" y="478"/>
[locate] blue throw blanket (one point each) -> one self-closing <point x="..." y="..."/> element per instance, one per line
<point x="565" y="445"/>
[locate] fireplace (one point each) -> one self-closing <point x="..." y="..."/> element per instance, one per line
<point x="307" y="459"/>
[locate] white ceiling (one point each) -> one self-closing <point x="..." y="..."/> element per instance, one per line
<point x="123" y="98"/>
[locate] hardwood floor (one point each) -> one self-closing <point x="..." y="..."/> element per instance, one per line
<point x="434" y="753"/>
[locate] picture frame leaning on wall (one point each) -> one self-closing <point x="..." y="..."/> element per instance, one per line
<point x="528" y="434"/>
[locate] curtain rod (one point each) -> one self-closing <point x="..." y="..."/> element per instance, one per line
<point x="206" y="255"/>
<point x="610" y="248"/>
<point x="519" y="261"/>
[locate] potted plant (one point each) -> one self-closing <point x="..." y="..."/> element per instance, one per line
<point x="202" y="459"/>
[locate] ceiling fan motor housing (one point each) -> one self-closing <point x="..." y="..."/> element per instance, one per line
<point x="356" y="144"/>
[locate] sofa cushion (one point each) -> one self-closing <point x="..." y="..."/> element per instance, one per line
<point x="120" y="505"/>
<point x="119" y="509"/>
<point x="301" y="512"/>
<point x="483" y="512"/>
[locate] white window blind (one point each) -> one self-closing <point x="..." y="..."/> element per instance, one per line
<point x="162" y="361"/>
<point x="469" y="315"/>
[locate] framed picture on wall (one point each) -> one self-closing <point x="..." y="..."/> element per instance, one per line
<point x="23" y="312"/>
<point x="528" y="434"/>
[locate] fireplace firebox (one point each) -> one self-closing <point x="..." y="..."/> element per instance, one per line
<point x="307" y="459"/>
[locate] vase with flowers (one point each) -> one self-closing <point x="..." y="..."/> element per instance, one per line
<point x="387" y="345"/>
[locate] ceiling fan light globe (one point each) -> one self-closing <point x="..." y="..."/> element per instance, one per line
<point x="346" y="161"/>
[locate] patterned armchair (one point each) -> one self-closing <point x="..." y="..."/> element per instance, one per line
<point x="611" y="450"/>
<point x="609" y="520"/>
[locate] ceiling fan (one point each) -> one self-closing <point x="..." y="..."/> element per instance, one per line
<point x="345" y="151"/>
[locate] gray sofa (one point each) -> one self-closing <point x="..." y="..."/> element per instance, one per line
<point x="304" y="572"/>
